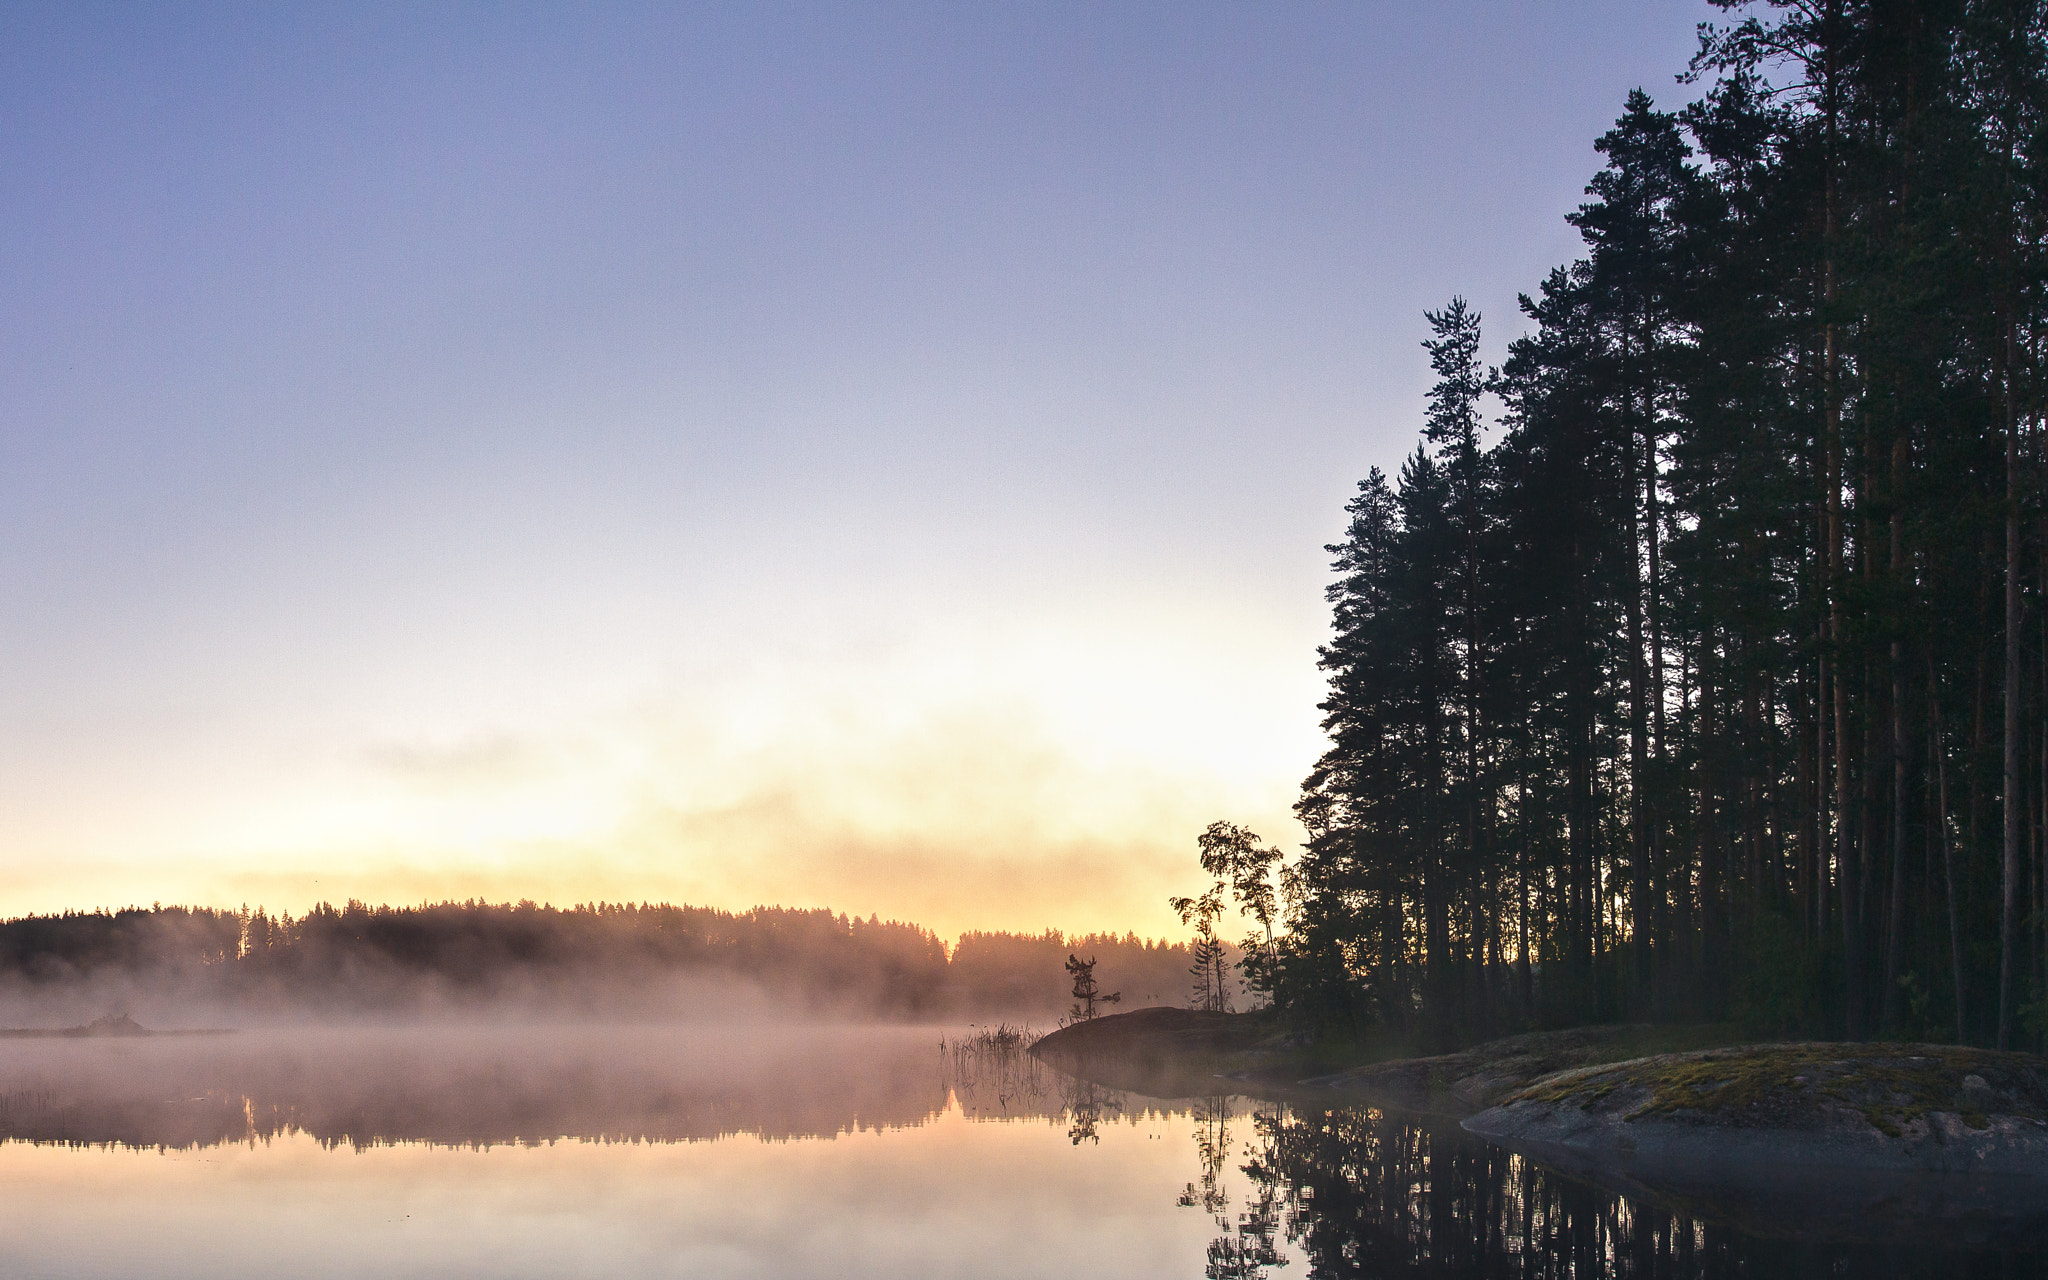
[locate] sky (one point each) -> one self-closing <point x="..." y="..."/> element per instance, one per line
<point x="871" y="456"/>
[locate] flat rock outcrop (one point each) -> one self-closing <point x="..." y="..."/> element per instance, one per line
<point x="1167" y="1052"/>
<point x="1729" y="1112"/>
<point x="1458" y="1084"/>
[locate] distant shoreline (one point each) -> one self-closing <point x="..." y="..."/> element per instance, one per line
<point x="113" y="1027"/>
<point x="80" y="1033"/>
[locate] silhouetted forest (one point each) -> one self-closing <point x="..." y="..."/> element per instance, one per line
<point x="601" y="958"/>
<point x="1693" y="664"/>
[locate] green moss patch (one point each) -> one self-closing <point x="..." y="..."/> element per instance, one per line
<point x="1892" y="1086"/>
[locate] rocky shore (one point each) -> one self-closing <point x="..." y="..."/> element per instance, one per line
<point x="1884" y="1107"/>
<point x="1459" y="1084"/>
<point x="1177" y="1052"/>
<point x="1641" y="1107"/>
<point x="1187" y="1051"/>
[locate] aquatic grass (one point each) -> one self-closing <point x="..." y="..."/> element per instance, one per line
<point x="992" y="1073"/>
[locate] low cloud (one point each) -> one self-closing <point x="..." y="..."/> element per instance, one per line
<point x="483" y="760"/>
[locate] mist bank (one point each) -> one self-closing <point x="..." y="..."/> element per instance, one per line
<point x="169" y="966"/>
<point x="520" y="1085"/>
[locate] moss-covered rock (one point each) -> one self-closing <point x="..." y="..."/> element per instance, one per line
<point x="1926" y="1108"/>
<point x="1458" y="1084"/>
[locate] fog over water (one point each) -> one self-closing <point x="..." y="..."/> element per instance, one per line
<point x="722" y="1148"/>
<point x="476" y="1086"/>
<point x="482" y="963"/>
<point x="776" y="1149"/>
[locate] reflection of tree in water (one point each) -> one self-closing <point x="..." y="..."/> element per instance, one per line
<point x="993" y="1076"/>
<point x="1366" y="1194"/>
<point x="1246" y="1247"/>
<point x="1212" y="1147"/>
<point x="1363" y="1193"/>
<point x="1087" y="1105"/>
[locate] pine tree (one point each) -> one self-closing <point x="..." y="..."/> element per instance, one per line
<point x="1086" y="993"/>
<point x="1720" y="670"/>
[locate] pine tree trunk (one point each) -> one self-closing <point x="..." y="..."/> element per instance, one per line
<point x="1895" y="931"/>
<point x="1948" y="860"/>
<point x="2008" y="919"/>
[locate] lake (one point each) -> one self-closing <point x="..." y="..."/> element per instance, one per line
<point x="777" y="1151"/>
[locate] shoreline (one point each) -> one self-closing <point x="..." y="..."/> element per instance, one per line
<point x="117" y="1026"/>
<point x="1775" y="1138"/>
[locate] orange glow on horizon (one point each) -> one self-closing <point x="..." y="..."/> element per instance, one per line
<point x="1051" y="783"/>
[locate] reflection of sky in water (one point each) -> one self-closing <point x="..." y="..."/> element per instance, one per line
<point x="951" y="1198"/>
<point x="782" y="1152"/>
<point x="908" y="1181"/>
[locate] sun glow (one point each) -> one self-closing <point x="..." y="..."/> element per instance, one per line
<point x="965" y="780"/>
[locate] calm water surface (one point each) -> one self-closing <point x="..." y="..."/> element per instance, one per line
<point x="783" y="1153"/>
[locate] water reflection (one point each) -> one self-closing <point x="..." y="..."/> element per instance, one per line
<point x="949" y="1138"/>
<point x="475" y="1088"/>
<point x="1246" y="1244"/>
<point x="480" y="1088"/>
<point x="1357" y="1191"/>
<point x="762" y="1153"/>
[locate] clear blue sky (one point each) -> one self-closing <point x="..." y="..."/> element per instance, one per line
<point x="869" y="455"/>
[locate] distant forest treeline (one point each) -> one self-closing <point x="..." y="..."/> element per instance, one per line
<point x="596" y="958"/>
<point x="1709" y="681"/>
